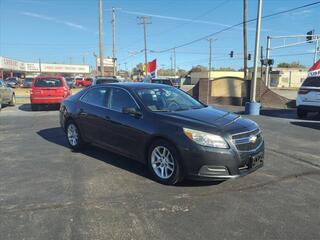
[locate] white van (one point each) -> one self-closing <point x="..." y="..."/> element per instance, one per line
<point x="308" y="99"/>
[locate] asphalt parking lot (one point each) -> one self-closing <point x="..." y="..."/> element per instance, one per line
<point x="50" y="192"/>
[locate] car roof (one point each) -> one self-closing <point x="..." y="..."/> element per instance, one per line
<point x="134" y="85"/>
<point x="46" y="76"/>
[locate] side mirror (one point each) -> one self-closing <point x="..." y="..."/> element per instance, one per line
<point x="131" y="111"/>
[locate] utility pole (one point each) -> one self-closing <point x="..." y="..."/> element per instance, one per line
<point x="315" y="57"/>
<point x="210" y="58"/>
<point x="245" y="42"/>
<point x="101" y="53"/>
<point x="70" y="60"/>
<point x="40" y="65"/>
<point x="114" y="40"/>
<point x="267" y="59"/>
<point x="174" y="62"/>
<point x="256" y="53"/>
<point x="253" y="107"/>
<point x="144" y="20"/>
<point x="171" y="61"/>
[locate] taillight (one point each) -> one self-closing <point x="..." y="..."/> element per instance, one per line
<point x="303" y="91"/>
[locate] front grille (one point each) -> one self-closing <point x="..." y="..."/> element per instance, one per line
<point x="245" y="141"/>
<point x="246" y="134"/>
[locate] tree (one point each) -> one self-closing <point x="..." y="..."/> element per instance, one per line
<point x="199" y="68"/>
<point x="182" y="72"/>
<point x="137" y="69"/>
<point x="226" y="69"/>
<point x="164" y="72"/>
<point x="291" y="65"/>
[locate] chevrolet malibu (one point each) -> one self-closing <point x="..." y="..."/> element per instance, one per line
<point x="161" y="126"/>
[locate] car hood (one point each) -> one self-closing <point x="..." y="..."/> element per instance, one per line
<point x="216" y="118"/>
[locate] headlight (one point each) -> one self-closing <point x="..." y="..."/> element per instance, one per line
<point x="205" y="139"/>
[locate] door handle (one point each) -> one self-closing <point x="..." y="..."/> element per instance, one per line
<point x="107" y="118"/>
<point x="82" y="113"/>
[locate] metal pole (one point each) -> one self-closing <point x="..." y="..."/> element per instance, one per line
<point x="174" y="62"/>
<point x="245" y="47"/>
<point x="145" y="45"/>
<point x="144" y="21"/>
<point x="101" y="54"/>
<point x="315" y="58"/>
<point x="210" y="58"/>
<point x="114" y="40"/>
<point x="267" y="58"/>
<point x="256" y="53"/>
<point x="40" y="65"/>
<point x="171" y="61"/>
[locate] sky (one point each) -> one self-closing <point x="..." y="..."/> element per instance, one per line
<point x="66" y="31"/>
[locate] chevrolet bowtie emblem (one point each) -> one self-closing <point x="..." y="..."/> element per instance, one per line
<point x="253" y="139"/>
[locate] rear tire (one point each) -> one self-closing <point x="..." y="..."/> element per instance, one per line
<point x="301" y="113"/>
<point x="74" y="137"/>
<point x="164" y="163"/>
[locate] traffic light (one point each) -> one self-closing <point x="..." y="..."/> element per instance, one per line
<point x="270" y="62"/>
<point x="231" y="54"/>
<point x="309" y="35"/>
<point x="249" y="56"/>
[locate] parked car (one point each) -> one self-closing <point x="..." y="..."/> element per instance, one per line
<point x="48" y="90"/>
<point x="162" y="81"/>
<point x="27" y="83"/>
<point x="12" y="82"/>
<point x="71" y="82"/>
<point x="308" y="98"/>
<point x="83" y="82"/>
<point x="7" y="95"/>
<point x="104" y="80"/>
<point x="173" y="134"/>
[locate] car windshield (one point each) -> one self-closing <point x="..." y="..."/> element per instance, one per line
<point x="69" y="79"/>
<point x="28" y="80"/>
<point x="311" y="82"/>
<point x="167" y="99"/>
<point x="11" y="79"/>
<point x="48" y="82"/>
<point x="106" y="80"/>
<point x="162" y="81"/>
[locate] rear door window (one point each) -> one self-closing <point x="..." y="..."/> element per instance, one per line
<point x="48" y="82"/>
<point x="119" y="99"/>
<point x="97" y="97"/>
<point x="311" y="82"/>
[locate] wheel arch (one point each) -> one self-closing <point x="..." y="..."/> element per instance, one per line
<point x="156" y="138"/>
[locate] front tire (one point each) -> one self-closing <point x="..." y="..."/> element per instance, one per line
<point x="74" y="137"/>
<point x="13" y="100"/>
<point x="301" y="113"/>
<point x="164" y="163"/>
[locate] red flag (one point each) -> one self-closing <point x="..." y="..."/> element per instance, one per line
<point x="152" y="66"/>
<point x="314" y="70"/>
<point x="316" y="66"/>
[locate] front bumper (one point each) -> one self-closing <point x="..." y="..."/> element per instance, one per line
<point x="219" y="164"/>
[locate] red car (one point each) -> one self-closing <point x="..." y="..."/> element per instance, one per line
<point x="48" y="90"/>
<point x="83" y="82"/>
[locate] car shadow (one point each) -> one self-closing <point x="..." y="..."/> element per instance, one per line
<point x="57" y="136"/>
<point x="312" y="125"/>
<point x="287" y="114"/>
<point x="27" y="107"/>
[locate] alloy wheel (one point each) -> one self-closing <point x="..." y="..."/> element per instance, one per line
<point x="73" y="135"/>
<point x="162" y="162"/>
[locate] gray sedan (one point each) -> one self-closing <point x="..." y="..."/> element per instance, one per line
<point x="7" y="95"/>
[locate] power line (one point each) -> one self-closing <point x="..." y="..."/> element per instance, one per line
<point x="239" y="24"/>
<point x="194" y="19"/>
